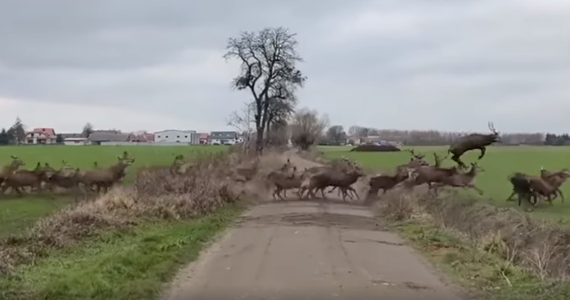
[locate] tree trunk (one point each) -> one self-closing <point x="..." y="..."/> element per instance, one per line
<point x="259" y="141"/>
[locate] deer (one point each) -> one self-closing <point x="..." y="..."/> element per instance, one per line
<point x="386" y="182"/>
<point x="472" y="142"/>
<point x="462" y="180"/>
<point x="9" y="169"/>
<point x="332" y="177"/>
<point x="431" y="174"/>
<point x="523" y="185"/>
<point x="24" y="178"/>
<point x="105" y="178"/>
<point x="346" y="165"/>
<point x="283" y="180"/>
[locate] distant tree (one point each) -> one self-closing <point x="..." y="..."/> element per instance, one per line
<point x="336" y="134"/>
<point x="18" y="131"/>
<point x="307" y="128"/>
<point x="4" y="139"/>
<point x="268" y="71"/>
<point x="59" y="139"/>
<point x="87" y="130"/>
<point x="353" y="130"/>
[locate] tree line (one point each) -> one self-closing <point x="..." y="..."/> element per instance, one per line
<point x="16" y="134"/>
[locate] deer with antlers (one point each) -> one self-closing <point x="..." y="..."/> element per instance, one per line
<point x="472" y="142"/>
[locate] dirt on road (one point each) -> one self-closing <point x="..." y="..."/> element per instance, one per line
<point x="309" y="250"/>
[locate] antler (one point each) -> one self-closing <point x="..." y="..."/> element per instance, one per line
<point x="492" y="127"/>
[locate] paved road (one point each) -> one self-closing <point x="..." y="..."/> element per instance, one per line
<point x="305" y="250"/>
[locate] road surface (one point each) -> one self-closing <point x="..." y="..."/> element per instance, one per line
<point x="307" y="250"/>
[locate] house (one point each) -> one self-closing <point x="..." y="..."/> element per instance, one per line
<point x="41" y="136"/>
<point x="176" y="136"/>
<point x="141" y="137"/>
<point x="104" y="136"/>
<point x="223" y="137"/>
<point x="75" y="141"/>
<point x="204" y="138"/>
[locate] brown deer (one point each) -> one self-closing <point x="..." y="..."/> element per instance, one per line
<point x="9" y="169"/>
<point x="20" y="179"/>
<point x="472" y="142"/>
<point x="103" y="179"/>
<point x="462" y="180"/>
<point x="431" y="174"/>
<point x="386" y="182"/>
<point x="283" y="180"/>
<point x="333" y="177"/>
<point x="523" y="185"/>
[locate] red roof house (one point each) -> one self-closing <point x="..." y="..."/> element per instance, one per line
<point x="41" y="136"/>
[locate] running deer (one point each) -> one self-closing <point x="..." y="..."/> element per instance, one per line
<point x="472" y="142"/>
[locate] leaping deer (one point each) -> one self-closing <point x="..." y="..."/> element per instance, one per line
<point x="472" y="142"/>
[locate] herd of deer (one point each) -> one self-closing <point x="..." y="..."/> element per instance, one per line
<point x="418" y="172"/>
<point x="46" y="178"/>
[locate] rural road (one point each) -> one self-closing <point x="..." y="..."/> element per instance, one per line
<point x="307" y="250"/>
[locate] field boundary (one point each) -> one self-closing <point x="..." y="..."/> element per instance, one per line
<point x="136" y="264"/>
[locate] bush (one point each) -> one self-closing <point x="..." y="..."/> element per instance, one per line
<point x="376" y="148"/>
<point x="157" y="195"/>
<point x="540" y="247"/>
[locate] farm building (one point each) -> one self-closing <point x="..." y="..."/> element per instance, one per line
<point x="108" y="136"/>
<point x="177" y="136"/>
<point x="223" y="137"/>
<point x="204" y="138"/>
<point x="41" y="136"/>
<point x="75" y="141"/>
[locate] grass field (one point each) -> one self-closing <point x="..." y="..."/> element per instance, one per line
<point x="17" y="213"/>
<point x="498" y="164"/>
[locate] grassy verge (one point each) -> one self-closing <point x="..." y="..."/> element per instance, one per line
<point x="17" y="214"/>
<point x="132" y="265"/>
<point x="480" y="271"/>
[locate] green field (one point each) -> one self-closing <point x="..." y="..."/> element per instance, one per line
<point x="498" y="164"/>
<point x="17" y="213"/>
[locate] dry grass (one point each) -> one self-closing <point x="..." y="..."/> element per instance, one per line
<point x="156" y="195"/>
<point x="538" y="247"/>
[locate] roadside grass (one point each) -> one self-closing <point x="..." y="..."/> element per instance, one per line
<point x="115" y="265"/>
<point x="479" y="271"/>
<point x="17" y="214"/>
<point x="498" y="164"/>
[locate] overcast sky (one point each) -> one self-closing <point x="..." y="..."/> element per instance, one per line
<point x="150" y="64"/>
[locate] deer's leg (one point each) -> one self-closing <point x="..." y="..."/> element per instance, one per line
<point x="323" y="193"/>
<point x="279" y="194"/>
<point x="457" y="159"/>
<point x="351" y="189"/>
<point x="483" y="151"/>
<point x="274" y="194"/>
<point x="510" y="198"/>
<point x="473" y="187"/>
<point x="559" y="192"/>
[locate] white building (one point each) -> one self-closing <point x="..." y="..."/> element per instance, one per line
<point x="177" y="136"/>
<point x="76" y="141"/>
<point x="223" y="137"/>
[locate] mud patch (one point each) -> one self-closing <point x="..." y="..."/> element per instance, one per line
<point x="313" y="219"/>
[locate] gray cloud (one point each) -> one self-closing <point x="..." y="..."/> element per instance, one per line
<point x="386" y="64"/>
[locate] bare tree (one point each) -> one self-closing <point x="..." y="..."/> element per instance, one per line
<point x="336" y="134"/>
<point x="87" y="130"/>
<point x="354" y="130"/>
<point x="307" y="128"/>
<point x="243" y="121"/>
<point x="268" y="70"/>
